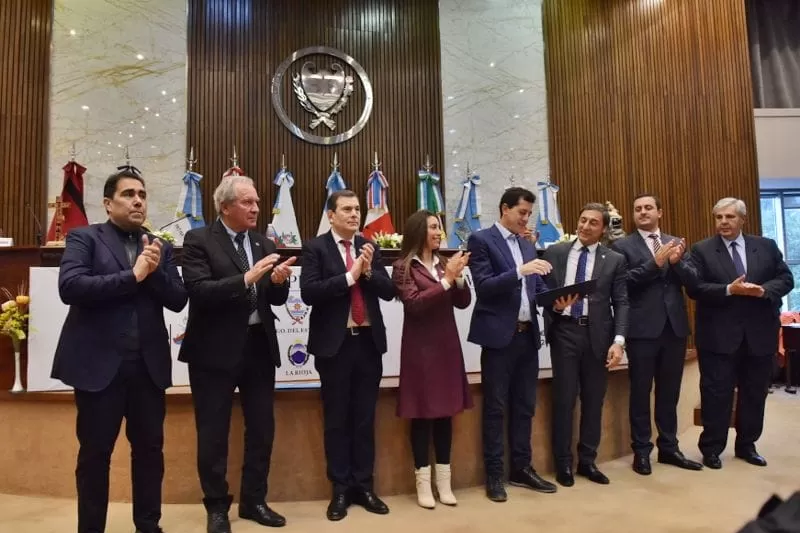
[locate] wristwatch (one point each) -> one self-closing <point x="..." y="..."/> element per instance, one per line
<point x="367" y="274"/>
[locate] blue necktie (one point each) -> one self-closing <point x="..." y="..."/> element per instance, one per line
<point x="737" y="260"/>
<point x="252" y="296"/>
<point x="580" y="276"/>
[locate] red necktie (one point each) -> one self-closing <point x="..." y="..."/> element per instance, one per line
<point x="356" y="298"/>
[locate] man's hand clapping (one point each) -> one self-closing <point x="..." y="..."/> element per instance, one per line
<point x="147" y="261"/>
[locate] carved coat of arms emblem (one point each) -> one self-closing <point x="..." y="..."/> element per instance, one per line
<point x="322" y="91"/>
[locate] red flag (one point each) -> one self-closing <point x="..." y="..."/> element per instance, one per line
<point x="71" y="193"/>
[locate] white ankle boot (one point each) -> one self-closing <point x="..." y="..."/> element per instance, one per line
<point x="443" y="487"/>
<point x="424" y="491"/>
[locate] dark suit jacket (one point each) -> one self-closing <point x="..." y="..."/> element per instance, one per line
<point x="723" y="322"/>
<point x="611" y="293"/>
<point x="498" y="290"/>
<point x="97" y="282"/>
<point x="218" y="308"/>
<point x="323" y="286"/>
<point x="654" y="293"/>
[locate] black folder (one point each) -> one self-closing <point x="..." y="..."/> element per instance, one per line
<point x="547" y="298"/>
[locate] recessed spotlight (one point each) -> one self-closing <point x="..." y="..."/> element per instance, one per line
<point x="158" y="114"/>
<point x="139" y="57"/>
<point x="522" y="90"/>
<point x="143" y="126"/>
<point x="85" y="107"/>
<point x="147" y="109"/>
<point x="455" y="165"/>
<point x="174" y="100"/>
<point x="452" y="131"/>
<point x="450" y="97"/>
<point x="454" y="152"/>
<point x="132" y="122"/>
<point x="491" y="64"/>
<point x="130" y="135"/>
<point x="164" y="93"/>
<point x="73" y="32"/>
<point x="119" y="146"/>
<point x="516" y="116"/>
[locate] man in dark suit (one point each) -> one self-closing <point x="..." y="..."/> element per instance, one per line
<point x="740" y="282"/>
<point x="114" y="349"/>
<point x="342" y="278"/>
<point x="587" y="338"/>
<point x="507" y="276"/>
<point x="232" y="275"/>
<point x="656" y="335"/>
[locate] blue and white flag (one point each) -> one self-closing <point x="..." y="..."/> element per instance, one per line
<point x="429" y="195"/>
<point x="335" y="183"/>
<point x="190" y="208"/>
<point x="467" y="218"/>
<point x="548" y="223"/>
<point x="284" y="220"/>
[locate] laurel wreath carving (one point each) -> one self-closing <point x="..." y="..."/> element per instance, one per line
<point x="323" y="117"/>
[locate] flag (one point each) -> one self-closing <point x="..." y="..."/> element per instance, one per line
<point x="335" y="183"/>
<point x="72" y="194"/>
<point x="190" y="208"/>
<point x="429" y="196"/>
<point x="378" y="220"/>
<point x="467" y="218"/>
<point x="548" y="223"/>
<point x="284" y="221"/>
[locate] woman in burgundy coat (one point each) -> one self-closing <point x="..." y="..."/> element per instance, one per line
<point x="433" y="382"/>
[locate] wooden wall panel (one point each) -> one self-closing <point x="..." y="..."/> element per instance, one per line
<point x="646" y="95"/>
<point x="234" y="50"/>
<point x="26" y="27"/>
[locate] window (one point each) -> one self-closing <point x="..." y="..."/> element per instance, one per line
<point x="780" y="221"/>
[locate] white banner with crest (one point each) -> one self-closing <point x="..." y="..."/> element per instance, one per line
<point x="297" y="365"/>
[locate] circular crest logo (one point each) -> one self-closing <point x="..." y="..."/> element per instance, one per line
<point x="321" y="86"/>
<point x="298" y="354"/>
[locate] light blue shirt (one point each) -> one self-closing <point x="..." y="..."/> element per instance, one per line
<point x="248" y="250"/>
<point x="524" y="314"/>
<point x="739" y="248"/>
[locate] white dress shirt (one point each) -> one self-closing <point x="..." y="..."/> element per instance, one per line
<point x="524" y="314"/>
<point x="435" y="273"/>
<point x="248" y="250"/>
<point x="648" y="240"/>
<point x="350" y="281"/>
<point x="572" y="270"/>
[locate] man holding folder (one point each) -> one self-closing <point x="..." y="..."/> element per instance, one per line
<point x="586" y="338"/>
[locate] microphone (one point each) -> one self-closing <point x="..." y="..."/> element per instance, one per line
<point x="173" y="222"/>
<point x="39" y="232"/>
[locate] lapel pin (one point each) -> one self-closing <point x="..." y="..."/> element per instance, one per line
<point x="258" y="244"/>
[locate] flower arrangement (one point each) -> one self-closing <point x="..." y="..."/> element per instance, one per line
<point x="388" y="240"/>
<point x="567" y="237"/>
<point x="164" y="236"/>
<point x="14" y="316"/>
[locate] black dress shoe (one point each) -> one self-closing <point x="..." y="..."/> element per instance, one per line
<point x="370" y="502"/>
<point x="156" y="530"/>
<point x="590" y="472"/>
<point x="495" y="490"/>
<point x="713" y="461"/>
<point x="527" y="477"/>
<point x="337" y="509"/>
<point x="678" y="459"/>
<point x="641" y="465"/>
<point x="752" y="457"/>
<point x="565" y="477"/>
<point x="218" y="522"/>
<point x="262" y="514"/>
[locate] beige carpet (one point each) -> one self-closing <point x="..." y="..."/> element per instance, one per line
<point x="670" y="500"/>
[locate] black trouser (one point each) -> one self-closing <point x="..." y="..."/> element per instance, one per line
<point x="719" y="375"/>
<point x="350" y="381"/>
<point x="212" y="394"/>
<point x="509" y="376"/>
<point x="132" y="395"/>
<point x="421" y="429"/>
<point x="576" y="368"/>
<point x="660" y="360"/>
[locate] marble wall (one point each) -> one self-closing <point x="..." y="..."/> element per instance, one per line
<point x="495" y="101"/>
<point x="118" y="79"/>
